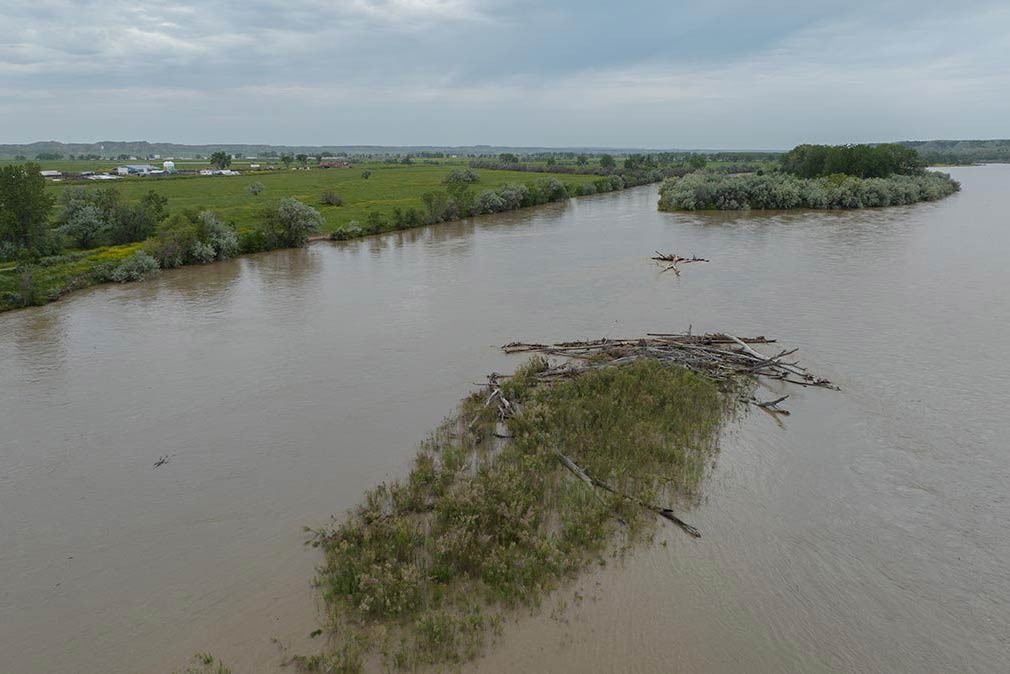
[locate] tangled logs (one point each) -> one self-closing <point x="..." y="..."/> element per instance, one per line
<point x="719" y="356"/>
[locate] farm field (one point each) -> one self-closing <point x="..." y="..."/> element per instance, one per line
<point x="388" y="186"/>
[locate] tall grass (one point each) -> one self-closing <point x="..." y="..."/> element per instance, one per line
<point x="424" y="569"/>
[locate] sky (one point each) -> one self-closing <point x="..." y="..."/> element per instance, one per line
<point x="635" y="73"/>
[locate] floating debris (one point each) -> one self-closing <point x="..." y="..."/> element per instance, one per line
<point x="672" y="260"/>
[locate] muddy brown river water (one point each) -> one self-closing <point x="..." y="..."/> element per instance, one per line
<point x="870" y="534"/>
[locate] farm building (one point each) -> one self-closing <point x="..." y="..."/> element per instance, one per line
<point x="134" y="170"/>
<point x="50" y="174"/>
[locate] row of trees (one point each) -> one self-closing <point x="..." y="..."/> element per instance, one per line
<point x="709" y="191"/>
<point x="861" y="161"/>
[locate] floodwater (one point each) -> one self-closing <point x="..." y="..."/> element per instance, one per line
<point x="871" y="533"/>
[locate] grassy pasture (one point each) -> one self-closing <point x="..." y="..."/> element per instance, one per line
<point x="388" y="186"/>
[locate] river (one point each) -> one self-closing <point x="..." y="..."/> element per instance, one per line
<point x="869" y="534"/>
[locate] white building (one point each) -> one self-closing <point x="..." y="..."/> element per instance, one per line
<point x="134" y="170"/>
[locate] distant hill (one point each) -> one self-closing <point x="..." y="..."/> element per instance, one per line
<point x="141" y="149"/>
<point x="934" y="151"/>
<point x="961" y="151"/>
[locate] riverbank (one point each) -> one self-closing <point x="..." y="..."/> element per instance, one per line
<point x="386" y="199"/>
<point x="780" y="191"/>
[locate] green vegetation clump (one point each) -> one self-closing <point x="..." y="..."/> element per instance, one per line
<point x="192" y="237"/>
<point x="24" y="211"/>
<point x="426" y="568"/>
<point x="286" y="225"/>
<point x="96" y="217"/>
<point x="710" y="191"/>
<point x="331" y="198"/>
<point x="37" y="280"/>
<point x="138" y="267"/>
<point x="860" y="161"/>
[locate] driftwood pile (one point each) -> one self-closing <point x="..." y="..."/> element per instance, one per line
<point x="719" y="356"/>
<point x="672" y="260"/>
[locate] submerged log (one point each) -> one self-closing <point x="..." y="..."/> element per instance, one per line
<point x="673" y="258"/>
<point x="772" y="406"/>
<point x="666" y="513"/>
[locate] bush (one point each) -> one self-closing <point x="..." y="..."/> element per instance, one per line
<point x="514" y="196"/>
<point x="192" y="238"/>
<point x="405" y="219"/>
<point x="220" y="237"/>
<point x="366" y="174"/>
<point x="352" y="231"/>
<point x="489" y="201"/>
<point x="709" y="191"/>
<point x="138" y="267"/>
<point x="456" y="176"/>
<point x="10" y="251"/>
<point x="288" y="225"/>
<point x="174" y="241"/>
<point x="331" y="198"/>
<point x="375" y="222"/>
<point x="436" y="207"/>
<point x="255" y="188"/>
<point x="85" y="226"/>
<point x="550" y="189"/>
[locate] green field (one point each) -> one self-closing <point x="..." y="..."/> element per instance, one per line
<point x="388" y="186"/>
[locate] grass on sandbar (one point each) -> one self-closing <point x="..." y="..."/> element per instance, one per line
<point x="426" y="569"/>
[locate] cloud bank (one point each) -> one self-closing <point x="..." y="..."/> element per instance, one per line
<point x="638" y="73"/>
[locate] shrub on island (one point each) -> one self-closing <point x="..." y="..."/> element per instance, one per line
<point x="709" y="191"/>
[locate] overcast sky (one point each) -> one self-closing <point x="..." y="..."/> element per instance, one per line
<point x="633" y="73"/>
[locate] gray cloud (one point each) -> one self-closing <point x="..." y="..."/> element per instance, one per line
<point x="647" y="73"/>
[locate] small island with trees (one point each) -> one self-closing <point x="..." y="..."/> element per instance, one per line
<point x="815" y="176"/>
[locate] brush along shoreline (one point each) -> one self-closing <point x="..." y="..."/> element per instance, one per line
<point x="537" y="476"/>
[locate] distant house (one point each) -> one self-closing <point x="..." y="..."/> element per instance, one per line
<point x="134" y="170"/>
<point x="51" y="174"/>
<point x="334" y="162"/>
